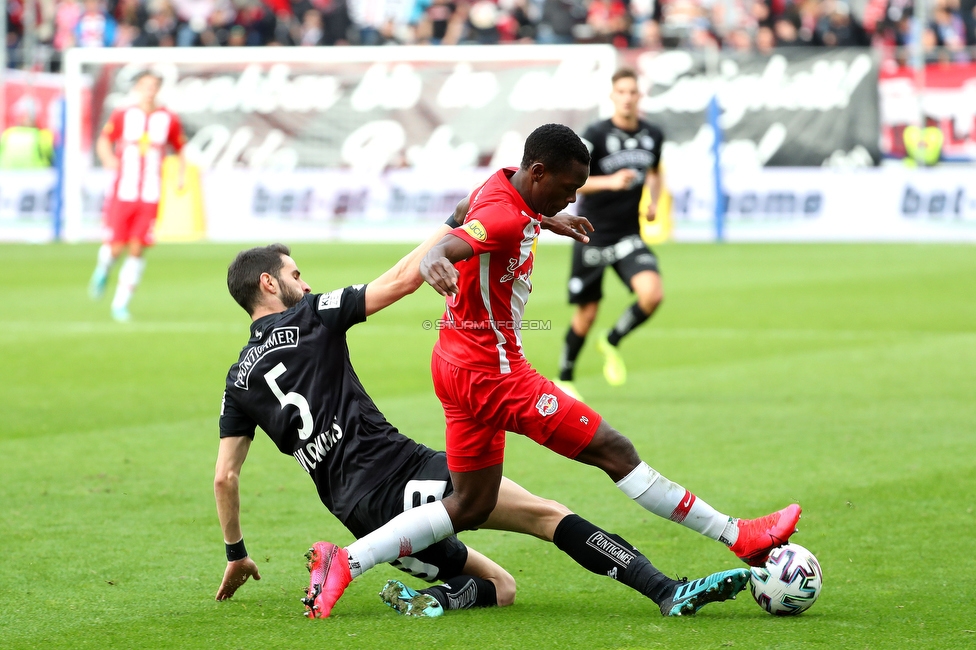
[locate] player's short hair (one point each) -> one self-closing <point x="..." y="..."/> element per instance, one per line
<point x="244" y="273"/>
<point x="147" y="73"/>
<point x="555" y="146"/>
<point x="623" y="73"/>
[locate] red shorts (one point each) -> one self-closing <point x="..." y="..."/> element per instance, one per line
<point x="481" y="406"/>
<point x="131" y="221"/>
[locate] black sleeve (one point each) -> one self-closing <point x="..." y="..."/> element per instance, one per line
<point x="233" y="421"/>
<point x="452" y="222"/>
<point x="590" y="136"/>
<point x="658" y="144"/>
<point x="341" y="309"/>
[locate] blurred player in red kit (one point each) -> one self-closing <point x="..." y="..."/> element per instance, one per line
<point x="133" y="142"/>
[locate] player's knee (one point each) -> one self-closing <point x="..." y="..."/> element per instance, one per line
<point x="650" y="300"/>
<point x="478" y="514"/>
<point x="504" y="589"/>
<point x="615" y="453"/>
<point x="584" y="317"/>
<point x="468" y="514"/>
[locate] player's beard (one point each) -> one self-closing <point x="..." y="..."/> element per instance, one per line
<point x="290" y="296"/>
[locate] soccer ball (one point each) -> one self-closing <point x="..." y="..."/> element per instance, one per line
<point x="789" y="583"/>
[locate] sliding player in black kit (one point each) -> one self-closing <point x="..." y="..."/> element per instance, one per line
<point x="295" y="380"/>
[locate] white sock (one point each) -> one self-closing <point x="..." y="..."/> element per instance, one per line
<point x="409" y="532"/>
<point x="105" y="260"/>
<point x="129" y="276"/>
<point x="669" y="500"/>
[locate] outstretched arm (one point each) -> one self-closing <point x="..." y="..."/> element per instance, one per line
<point x="404" y="278"/>
<point x="230" y="459"/>
<point x="401" y="280"/>
<point x="569" y="226"/>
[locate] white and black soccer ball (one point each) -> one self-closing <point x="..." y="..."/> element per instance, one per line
<point x="789" y="583"/>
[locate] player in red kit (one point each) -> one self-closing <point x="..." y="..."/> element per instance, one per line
<point x="487" y="387"/>
<point x="133" y="142"/>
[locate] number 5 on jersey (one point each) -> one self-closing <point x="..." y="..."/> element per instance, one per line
<point x="292" y="399"/>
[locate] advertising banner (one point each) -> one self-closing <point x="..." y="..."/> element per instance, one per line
<point x="768" y="204"/>
<point x="403" y="204"/>
<point x="946" y="101"/>
<point x="804" y="205"/>
<point x="25" y="205"/>
<point x="368" y="108"/>
<point x="799" y="107"/>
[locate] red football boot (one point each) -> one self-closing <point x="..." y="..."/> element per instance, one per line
<point x="328" y="565"/>
<point x="757" y="537"/>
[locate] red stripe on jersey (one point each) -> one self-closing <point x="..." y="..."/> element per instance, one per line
<point x="683" y="508"/>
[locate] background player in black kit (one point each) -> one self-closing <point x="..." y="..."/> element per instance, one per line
<point x="295" y="380"/>
<point x="624" y="156"/>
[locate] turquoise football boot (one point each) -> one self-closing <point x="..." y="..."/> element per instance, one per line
<point x="409" y="602"/>
<point x="689" y="597"/>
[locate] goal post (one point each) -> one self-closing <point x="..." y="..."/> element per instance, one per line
<point x="324" y="142"/>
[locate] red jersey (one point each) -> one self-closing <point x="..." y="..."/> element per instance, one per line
<point x="481" y="326"/>
<point x="140" y="142"/>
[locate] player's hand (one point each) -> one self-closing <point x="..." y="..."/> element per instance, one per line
<point x="235" y="575"/>
<point x="441" y="275"/>
<point x="622" y="179"/>
<point x="568" y="225"/>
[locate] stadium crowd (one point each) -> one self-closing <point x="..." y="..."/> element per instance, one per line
<point x="736" y="25"/>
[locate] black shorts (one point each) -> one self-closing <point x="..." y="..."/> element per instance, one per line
<point x="423" y="478"/>
<point x="628" y="257"/>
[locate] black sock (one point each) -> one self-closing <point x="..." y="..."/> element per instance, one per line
<point x="606" y="554"/>
<point x="627" y="323"/>
<point x="464" y="592"/>
<point x="571" y="350"/>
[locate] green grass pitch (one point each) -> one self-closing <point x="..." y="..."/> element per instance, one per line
<point x="839" y="376"/>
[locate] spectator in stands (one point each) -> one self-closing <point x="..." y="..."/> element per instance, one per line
<point x="967" y="9"/>
<point x="160" y="28"/>
<point x="838" y="28"/>
<point x="257" y="20"/>
<point x="310" y="31"/>
<point x="193" y="16"/>
<point x="219" y="23"/>
<point x="375" y="21"/>
<point x="335" y="19"/>
<point x="786" y="30"/>
<point x="559" y="20"/>
<point x="950" y="31"/>
<point x="739" y="41"/>
<point x="482" y="24"/>
<point x="765" y="40"/>
<point x="609" y="22"/>
<point x="440" y="23"/>
<point x="521" y="22"/>
<point x="66" y="18"/>
<point x="649" y="35"/>
<point x="810" y="12"/>
<point x="95" y="27"/>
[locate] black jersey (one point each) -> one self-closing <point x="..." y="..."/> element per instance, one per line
<point x="294" y="379"/>
<point x="614" y="214"/>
